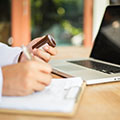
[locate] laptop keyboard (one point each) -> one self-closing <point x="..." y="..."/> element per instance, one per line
<point x="109" y="69"/>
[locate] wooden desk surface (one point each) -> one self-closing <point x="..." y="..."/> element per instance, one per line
<point x="99" y="102"/>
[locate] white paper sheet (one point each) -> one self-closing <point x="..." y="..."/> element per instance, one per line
<point x="52" y="99"/>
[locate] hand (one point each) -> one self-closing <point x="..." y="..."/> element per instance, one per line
<point x="43" y="54"/>
<point x="25" y="78"/>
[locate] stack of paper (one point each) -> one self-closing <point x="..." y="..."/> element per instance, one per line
<point x="59" y="96"/>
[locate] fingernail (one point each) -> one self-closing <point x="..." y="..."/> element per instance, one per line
<point x="46" y="47"/>
<point x="34" y="49"/>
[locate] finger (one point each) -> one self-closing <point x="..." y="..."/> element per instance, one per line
<point x="28" y="92"/>
<point x="39" y="66"/>
<point x="42" y="54"/>
<point x="25" y="92"/>
<point x="38" y="59"/>
<point x="38" y="86"/>
<point x="50" y="50"/>
<point x="34" y="41"/>
<point x="43" y="78"/>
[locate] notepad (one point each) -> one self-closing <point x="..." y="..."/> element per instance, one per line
<point x="59" y="97"/>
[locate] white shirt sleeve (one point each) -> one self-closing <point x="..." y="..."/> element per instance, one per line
<point x="8" y="55"/>
<point x="1" y="83"/>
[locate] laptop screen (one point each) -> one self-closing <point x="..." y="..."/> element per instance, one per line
<point x="107" y="43"/>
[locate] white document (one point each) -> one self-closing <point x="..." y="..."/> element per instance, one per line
<point x="59" y="96"/>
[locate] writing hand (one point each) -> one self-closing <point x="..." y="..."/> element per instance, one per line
<point x="25" y="78"/>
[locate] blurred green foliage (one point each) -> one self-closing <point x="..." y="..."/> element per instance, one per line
<point x="61" y="18"/>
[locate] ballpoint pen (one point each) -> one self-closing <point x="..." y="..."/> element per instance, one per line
<point x="26" y="52"/>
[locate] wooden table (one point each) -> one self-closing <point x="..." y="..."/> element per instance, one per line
<point x="99" y="102"/>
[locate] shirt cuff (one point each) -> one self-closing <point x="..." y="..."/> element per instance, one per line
<point x="17" y="56"/>
<point x="1" y="83"/>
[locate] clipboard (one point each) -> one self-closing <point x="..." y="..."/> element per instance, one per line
<point x="46" y="113"/>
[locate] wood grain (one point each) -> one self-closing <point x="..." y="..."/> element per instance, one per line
<point x="99" y="102"/>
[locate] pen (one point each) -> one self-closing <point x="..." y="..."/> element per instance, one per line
<point x="26" y="52"/>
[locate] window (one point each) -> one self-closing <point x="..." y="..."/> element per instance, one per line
<point x="61" y="18"/>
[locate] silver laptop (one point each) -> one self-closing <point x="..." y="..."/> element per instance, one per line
<point x="103" y="65"/>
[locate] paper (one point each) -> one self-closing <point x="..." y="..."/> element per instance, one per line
<point x="52" y="99"/>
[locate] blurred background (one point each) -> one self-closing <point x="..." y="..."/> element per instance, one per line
<point x="61" y="18"/>
<point x="67" y="20"/>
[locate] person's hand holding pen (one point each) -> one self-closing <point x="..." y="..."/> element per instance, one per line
<point x="31" y="74"/>
<point x="26" y="77"/>
<point x="44" y="54"/>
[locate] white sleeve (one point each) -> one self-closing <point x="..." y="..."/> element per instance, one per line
<point x="9" y="55"/>
<point x="1" y="83"/>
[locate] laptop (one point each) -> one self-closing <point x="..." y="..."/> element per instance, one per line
<point x="103" y="64"/>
